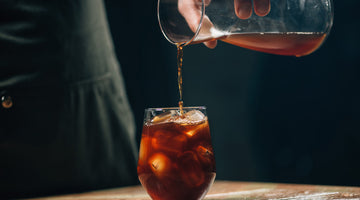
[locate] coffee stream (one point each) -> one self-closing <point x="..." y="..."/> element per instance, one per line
<point x="179" y="64"/>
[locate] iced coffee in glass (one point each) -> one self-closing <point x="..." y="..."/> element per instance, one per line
<point x="176" y="158"/>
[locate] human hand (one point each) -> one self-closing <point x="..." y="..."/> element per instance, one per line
<point x="191" y="10"/>
<point x="243" y="8"/>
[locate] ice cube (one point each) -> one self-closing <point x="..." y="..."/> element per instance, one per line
<point x="170" y="142"/>
<point x="160" y="164"/>
<point x="144" y="149"/>
<point x="193" y="130"/>
<point x="206" y="157"/>
<point x="164" y="117"/>
<point x="190" y="169"/>
<point x="194" y="116"/>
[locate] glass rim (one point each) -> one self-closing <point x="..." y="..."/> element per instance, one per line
<point x="196" y="33"/>
<point x="176" y="108"/>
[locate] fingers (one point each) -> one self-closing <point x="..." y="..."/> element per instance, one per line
<point x="262" y="7"/>
<point x="243" y="8"/>
<point x="211" y="44"/>
<point x="205" y="32"/>
<point x="207" y="2"/>
<point x="191" y="11"/>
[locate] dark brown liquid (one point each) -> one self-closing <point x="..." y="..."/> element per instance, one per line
<point x="180" y="83"/>
<point x="176" y="160"/>
<point x="288" y="44"/>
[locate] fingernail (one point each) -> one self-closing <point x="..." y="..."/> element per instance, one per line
<point x="244" y="11"/>
<point x="262" y="9"/>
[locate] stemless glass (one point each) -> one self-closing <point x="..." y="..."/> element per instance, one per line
<point x="292" y="27"/>
<point x="176" y="158"/>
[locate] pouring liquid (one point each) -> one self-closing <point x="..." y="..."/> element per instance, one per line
<point x="179" y="71"/>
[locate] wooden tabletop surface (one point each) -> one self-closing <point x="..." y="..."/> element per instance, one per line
<point x="230" y="190"/>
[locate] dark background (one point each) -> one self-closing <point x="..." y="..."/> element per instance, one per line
<point x="272" y="118"/>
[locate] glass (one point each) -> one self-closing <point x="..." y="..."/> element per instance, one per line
<point x="292" y="27"/>
<point x="176" y="158"/>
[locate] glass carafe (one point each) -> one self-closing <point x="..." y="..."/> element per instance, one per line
<point x="291" y="27"/>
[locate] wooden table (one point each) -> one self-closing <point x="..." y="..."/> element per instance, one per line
<point x="230" y="190"/>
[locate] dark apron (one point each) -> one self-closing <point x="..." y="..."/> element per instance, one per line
<point x="65" y="121"/>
